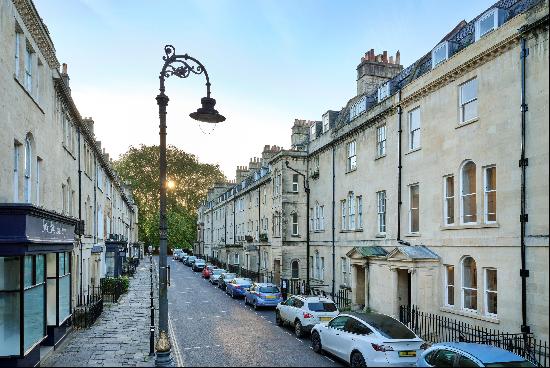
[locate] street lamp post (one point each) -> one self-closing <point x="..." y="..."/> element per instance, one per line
<point x="179" y="66"/>
<point x="306" y="188"/>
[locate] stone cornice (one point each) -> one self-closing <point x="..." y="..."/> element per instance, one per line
<point x="38" y="30"/>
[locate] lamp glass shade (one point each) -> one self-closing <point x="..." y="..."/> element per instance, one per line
<point x="207" y="113"/>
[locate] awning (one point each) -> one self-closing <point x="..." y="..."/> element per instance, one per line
<point x="368" y="251"/>
<point x="414" y="252"/>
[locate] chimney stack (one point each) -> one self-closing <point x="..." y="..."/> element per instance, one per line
<point x="397" y="57"/>
<point x="374" y="70"/>
<point x="65" y="76"/>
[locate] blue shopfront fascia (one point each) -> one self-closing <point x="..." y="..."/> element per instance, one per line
<point x="38" y="243"/>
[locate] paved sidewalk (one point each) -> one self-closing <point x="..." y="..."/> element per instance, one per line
<point x="120" y="336"/>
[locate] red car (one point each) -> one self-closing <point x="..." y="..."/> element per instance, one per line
<point x="208" y="271"/>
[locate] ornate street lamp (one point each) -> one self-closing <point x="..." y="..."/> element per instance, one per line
<point x="179" y="66"/>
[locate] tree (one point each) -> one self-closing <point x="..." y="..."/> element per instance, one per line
<point x="140" y="166"/>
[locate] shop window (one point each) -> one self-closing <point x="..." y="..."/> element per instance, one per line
<point x="9" y="306"/>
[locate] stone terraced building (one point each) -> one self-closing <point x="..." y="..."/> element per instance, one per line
<point x="428" y="189"/>
<point x="65" y="215"/>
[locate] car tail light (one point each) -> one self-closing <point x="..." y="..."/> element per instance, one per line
<point x="308" y="315"/>
<point x="382" y="348"/>
<point x="237" y="286"/>
<point x="425" y="345"/>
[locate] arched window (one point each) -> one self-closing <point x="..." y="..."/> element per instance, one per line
<point x="28" y="170"/>
<point x="295" y="267"/>
<point x="294" y="223"/>
<point x="469" y="284"/>
<point x="468" y="192"/>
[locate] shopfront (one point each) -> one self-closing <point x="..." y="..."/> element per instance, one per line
<point x="35" y="281"/>
<point x="115" y="255"/>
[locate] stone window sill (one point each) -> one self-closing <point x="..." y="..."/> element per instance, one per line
<point x="474" y="315"/>
<point x="378" y="157"/>
<point x="380" y="235"/>
<point x="413" y="150"/>
<point x="413" y="235"/>
<point x="465" y="123"/>
<point x="352" y="231"/>
<point x="470" y="226"/>
<point x="350" y="171"/>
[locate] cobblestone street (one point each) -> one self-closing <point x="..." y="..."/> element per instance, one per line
<point x="120" y="336"/>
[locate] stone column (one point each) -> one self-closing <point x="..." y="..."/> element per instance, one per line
<point x="354" y="283"/>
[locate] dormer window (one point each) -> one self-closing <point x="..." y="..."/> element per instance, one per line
<point x="358" y="108"/>
<point x="440" y="53"/>
<point x="326" y="123"/>
<point x="489" y="21"/>
<point x="312" y="131"/>
<point x="383" y="91"/>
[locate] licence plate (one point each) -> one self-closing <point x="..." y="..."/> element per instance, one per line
<point x="325" y="319"/>
<point x="407" y="353"/>
<point x="270" y="297"/>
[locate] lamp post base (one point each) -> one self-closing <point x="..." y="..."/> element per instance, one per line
<point x="164" y="359"/>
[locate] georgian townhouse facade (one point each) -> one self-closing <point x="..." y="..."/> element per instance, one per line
<point x="417" y="185"/>
<point x="60" y="201"/>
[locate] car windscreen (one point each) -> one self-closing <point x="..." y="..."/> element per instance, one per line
<point x="269" y="289"/>
<point x="192" y="258"/>
<point x="322" y="307"/>
<point x="199" y="263"/>
<point x="217" y="272"/>
<point x="229" y="276"/>
<point x="244" y="281"/>
<point x="389" y="327"/>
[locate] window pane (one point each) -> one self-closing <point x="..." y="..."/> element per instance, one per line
<point x="468" y="91"/>
<point x="492" y="303"/>
<point x="9" y="273"/>
<point x="28" y="271"/>
<point x="490" y="178"/>
<point x="469" y="110"/>
<point x="34" y="315"/>
<point x="9" y="322"/>
<point x="470" y="299"/>
<point x="491" y="206"/>
<point x="449" y="186"/>
<point x="415" y="199"/>
<point x="450" y="295"/>
<point x="64" y="297"/>
<point x="61" y="262"/>
<point x="470" y="273"/>
<point x="469" y="204"/>
<point x="414" y="119"/>
<point x="491" y="280"/>
<point x="486" y="25"/>
<point x="469" y="178"/>
<point x="414" y="221"/>
<point x="450" y="211"/>
<point x="450" y="275"/>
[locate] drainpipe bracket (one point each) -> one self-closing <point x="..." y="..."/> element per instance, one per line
<point x="524" y="273"/>
<point x="525" y="329"/>
<point x="524" y="218"/>
<point x="524" y="53"/>
<point x="524" y="162"/>
<point x="524" y="107"/>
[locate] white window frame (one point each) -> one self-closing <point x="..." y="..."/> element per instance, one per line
<point x="411" y="208"/>
<point x="27" y="172"/>
<point x="447" y="286"/>
<point x="381" y="210"/>
<point x="343" y="214"/>
<point x="295" y="182"/>
<point x="490" y="13"/>
<point x="295" y="229"/>
<point x="326" y="123"/>
<point x="445" y="45"/>
<point x="16" y="151"/>
<point x="462" y="287"/>
<point x="415" y="135"/>
<point x="351" y="211"/>
<point x="486" y="192"/>
<point x="381" y="141"/>
<point x="464" y="196"/>
<point x="448" y="200"/>
<point x="29" y="59"/>
<point x="487" y="292"/>
<point x="18" y="36"/>
<point x="384" y="91"/>
<point x="463" y="103"/>
<point x="312" y="131"/>
<point x="351" y="150"/>
<point x="359" y="212"/>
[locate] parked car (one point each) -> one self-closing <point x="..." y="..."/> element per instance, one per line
<point x="225" y="278"/>
<point x="198" y="265"/>
<point x="214" y="276"/>
<point x="237" y="287"/>
<point x="304" y="312"/>
<point x="175" y="253"/>
<point x="183" y="258"/>
<point x="189" y="260"/>
<point x="464" y="354"/>
<point x="368" y="339"/>
<point x="208" y="271"/>
<point x="263" y="295"/>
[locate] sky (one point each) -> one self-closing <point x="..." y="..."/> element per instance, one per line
<point x="269" y="62"/>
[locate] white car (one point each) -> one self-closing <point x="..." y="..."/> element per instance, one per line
<point x="304" y="312"/>
<point x="369" y="339"/>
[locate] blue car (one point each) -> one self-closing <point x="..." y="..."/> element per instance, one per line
<point x="465" y="354"/>
<point x="263" y="295"/>
<point x="237" y="287"/>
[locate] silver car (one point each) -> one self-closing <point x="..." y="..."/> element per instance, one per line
<point x="216" y="273"/>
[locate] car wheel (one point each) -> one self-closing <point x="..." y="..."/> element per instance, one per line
<point x="245" y="300"/>
<point x="298" y="329"/>
<point x="316" y="342"/>
<point x="232" y="294"/>
<point x="357" y="360"/>
<point x="278" y="320"/>
<point x="255" y="305"/>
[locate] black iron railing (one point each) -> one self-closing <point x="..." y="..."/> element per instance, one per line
<point x="111" y="289"/>
<point x="89" y="308"/>
<point x="435" y="328"/>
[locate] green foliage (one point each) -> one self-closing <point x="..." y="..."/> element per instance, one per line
<point x="140" y="166"/>
<point x="109" y="284"/>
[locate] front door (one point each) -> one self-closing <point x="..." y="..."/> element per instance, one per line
<point x="403" y="288"/>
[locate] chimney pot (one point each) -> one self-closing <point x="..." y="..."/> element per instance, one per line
<point x="391" y="59"/>
<point x="385" y="56"/>
<point x="398" y="57"/>
<point x="64" y="68"/>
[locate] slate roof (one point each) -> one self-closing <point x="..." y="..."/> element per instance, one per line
<point x="371" y="251"/>
<point x="461" y="37"/>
